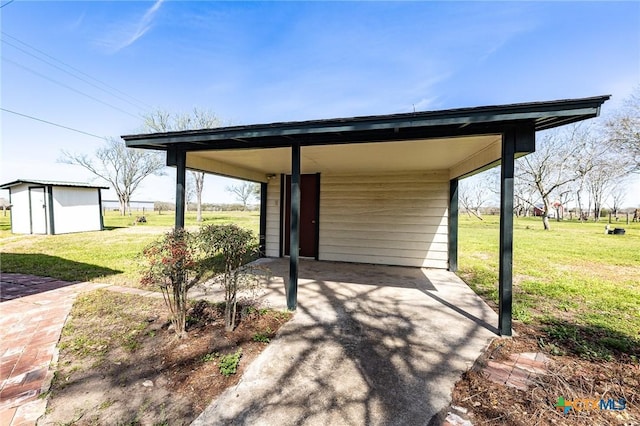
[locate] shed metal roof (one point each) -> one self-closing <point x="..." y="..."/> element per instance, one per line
<point x="378" y="128"/>
<point x="51" y="183"/>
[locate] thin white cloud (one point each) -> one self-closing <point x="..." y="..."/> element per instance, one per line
<point x="76" y="24"/>
<point x="128" y="33"/>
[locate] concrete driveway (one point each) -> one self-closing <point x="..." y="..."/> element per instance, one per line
<point x="368" y="345"/>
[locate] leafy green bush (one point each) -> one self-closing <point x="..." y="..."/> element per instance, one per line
<point x="181" y="259"/>
<point x="229" y="363"/>
<point x="230" y="247"/>
<point x="175" y="263"/>
<point x="209" y="357"/>
<point x="264" y="336"/>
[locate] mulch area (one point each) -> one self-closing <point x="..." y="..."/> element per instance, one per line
<point x="515" y="382"/>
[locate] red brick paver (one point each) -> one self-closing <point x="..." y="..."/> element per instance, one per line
<point x="518" y="370"/>
<point x="32" y="313"/>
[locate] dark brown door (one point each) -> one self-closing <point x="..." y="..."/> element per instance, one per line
<point x="309" y="200"/>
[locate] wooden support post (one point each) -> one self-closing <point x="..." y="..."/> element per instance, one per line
<point x="292" y="289"/>
<point x="453" y="225"/>
<point x="505" y="273"/>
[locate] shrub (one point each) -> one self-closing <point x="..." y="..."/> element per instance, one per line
<point x="263" y="337"/>
<point x="230" y="247"/>
<point x="180" y="260"/>
<point x="175" y="263"/>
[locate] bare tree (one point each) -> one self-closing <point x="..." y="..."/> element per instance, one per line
<point x="563" y="198"/>
<point x="599" y="182"/>
<point x="4" y="203"/>
<point x="624" y="129"/>
<point x="553" y="165"/>
<point x="244" y="192"/>
<point x="617" y="198"/>
<point x="124" y="168"/>
<point x="607" y="168"/>
<point x="164" y="121"/>
<point x="189" y="191"/>
<point x="524" y="195"/>
<point x="198" y="181"/>
<point x="524" y="198"/>
<point x="474" y="193"/>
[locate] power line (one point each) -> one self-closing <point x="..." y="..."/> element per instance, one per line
<point x="52" y="123"/>
<point x="69" y="87"/>
<point x="70" y="73"/>
<point x="7" y="3"/>
<point x="75" y="69"/>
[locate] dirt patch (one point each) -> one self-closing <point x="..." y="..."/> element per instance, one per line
<point x="138" y="372"/>
<point x="571" y="377"/>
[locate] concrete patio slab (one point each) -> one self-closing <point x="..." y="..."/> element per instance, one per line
<point x="368" y="345"/>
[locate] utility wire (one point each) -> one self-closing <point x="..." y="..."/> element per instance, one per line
<point x="76" y="70"/>
<point x="69" y="87"/>
<point x="52" y="123"/>
<point x="71" y="74"/>
<point x="7" y="3"/>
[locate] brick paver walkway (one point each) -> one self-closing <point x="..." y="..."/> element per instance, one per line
<point x="518" y="370"/>
<point x="32" y="313"/>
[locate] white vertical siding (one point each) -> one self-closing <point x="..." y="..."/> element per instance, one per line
<point x="75" y="210"/>
<point x="20" y="214"/>
<point x="392" y="219"/>
<point x="272" y="237"/>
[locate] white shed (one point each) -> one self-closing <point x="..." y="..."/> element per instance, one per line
<point x="49" y="207"/>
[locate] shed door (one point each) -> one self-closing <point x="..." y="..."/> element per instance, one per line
<point x="38" y="211"/>
<point x="309" y="202"/>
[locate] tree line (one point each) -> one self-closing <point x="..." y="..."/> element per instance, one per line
<point x="585" y="165"/>
<point x="165" y="206"/>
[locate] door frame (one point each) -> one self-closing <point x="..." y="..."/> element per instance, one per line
<point x="283" y="212"/>
<point x="44" y="200"/>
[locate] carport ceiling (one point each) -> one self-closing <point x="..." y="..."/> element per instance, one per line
<point x="377" y="157"/>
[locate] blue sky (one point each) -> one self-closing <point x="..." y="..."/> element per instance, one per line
<point x="256" y="62"/>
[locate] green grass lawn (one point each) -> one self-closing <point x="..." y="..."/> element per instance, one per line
<point x="111" y="256"/>
<point x="576" y="282"/>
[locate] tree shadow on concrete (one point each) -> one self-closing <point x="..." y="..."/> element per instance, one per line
<point x="368" y="345"/>
<point x="24" y="274"/>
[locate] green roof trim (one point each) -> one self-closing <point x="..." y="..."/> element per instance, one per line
<point x="377" y="128"/>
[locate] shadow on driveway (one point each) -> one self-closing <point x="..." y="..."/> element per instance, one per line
<point x="374" y="345"/>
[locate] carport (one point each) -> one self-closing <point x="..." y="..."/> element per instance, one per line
<point x="377" y="189"/>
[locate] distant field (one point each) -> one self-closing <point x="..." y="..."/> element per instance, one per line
<point x="110" y="256"/>
<point x="570" y="277"/>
